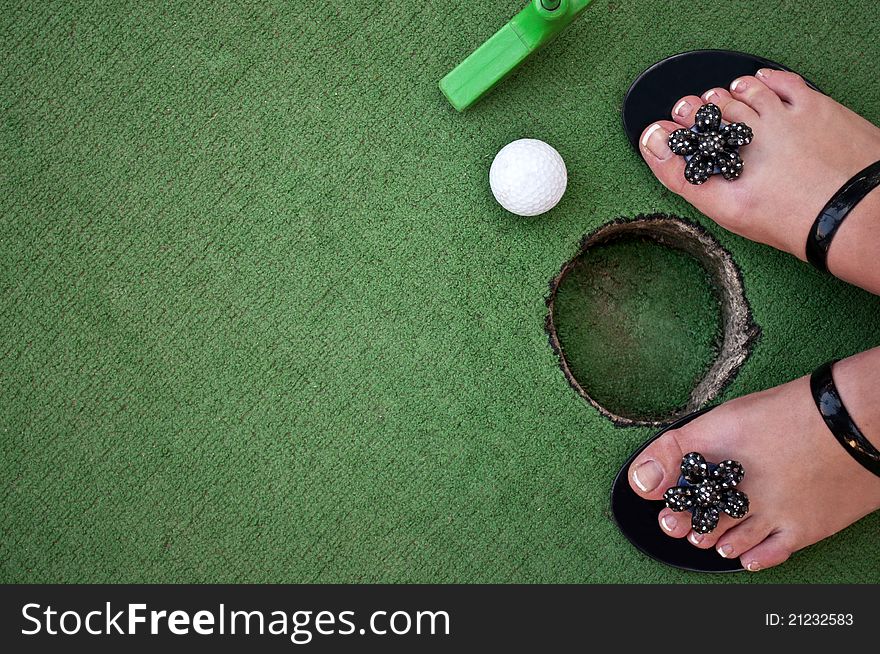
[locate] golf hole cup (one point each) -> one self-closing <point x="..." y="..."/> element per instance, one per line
<point x="528" y="177"/>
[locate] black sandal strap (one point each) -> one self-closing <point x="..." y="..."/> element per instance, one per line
<point x="839" y="421"/>
<point x="833" y="214"/>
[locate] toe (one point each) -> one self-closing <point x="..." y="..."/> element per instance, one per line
<point x="732" y="110"/>
<point x="752" y="92"/>
<point x="696" y="539"/>
<point x="790" y="87"/>
<point x="742" y="537"/>
<point x="683" y="111"/>
<point x="674" y="524"/>
<point x="654" y="146"/>
<point x="703" y="541"/>
<point x="717" y="96"/>
<point x="712" y="198"/>
<point x="708" y="541"/>
<point x="657" y="468"/>
<point x="771" y="551"/>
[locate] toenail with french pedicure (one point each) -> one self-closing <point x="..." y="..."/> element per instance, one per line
<point x="763" y="72"/>
<point x="655" y="141"/>
<point x="683" y="108"/>
<point x="648" y="475"/>
<point x="726" y="551"/>
<point x="739" y="85"/>
<point x="695" y="538"/>
<point x="753" y="566"/>
<point x="707" y="95"/>
<point x="669" y="522"/>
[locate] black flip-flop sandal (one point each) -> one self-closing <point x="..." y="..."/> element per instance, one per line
<point x="705" y="487"/>
<point x="637" y="520"/>
<point x="653" y="94"/>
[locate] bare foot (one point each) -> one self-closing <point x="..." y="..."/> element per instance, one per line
<point x="805" y="147"/>
<point x="802" y="485"/>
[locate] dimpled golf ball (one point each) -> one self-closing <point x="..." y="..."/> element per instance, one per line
<point x="528" y="177"/>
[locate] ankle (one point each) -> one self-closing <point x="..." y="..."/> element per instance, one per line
<point x="858" y="382"/>
<point x="855" y="250"/>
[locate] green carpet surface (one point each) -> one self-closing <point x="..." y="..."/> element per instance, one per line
<point x="262" y="320"/>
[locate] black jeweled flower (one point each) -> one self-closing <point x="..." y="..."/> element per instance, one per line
<point x="707" y="489"/>
<point x="711" y="147"/>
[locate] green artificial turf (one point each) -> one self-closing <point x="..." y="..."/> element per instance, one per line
<point x="639" y="324"/>
<point x="263" y="321"/>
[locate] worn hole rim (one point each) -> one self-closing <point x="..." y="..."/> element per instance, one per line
<point x="739" y="330"/>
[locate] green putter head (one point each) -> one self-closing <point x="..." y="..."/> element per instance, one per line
<point x="528" y="31"/>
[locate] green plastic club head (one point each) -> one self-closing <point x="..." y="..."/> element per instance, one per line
<point x="527" y="32"/>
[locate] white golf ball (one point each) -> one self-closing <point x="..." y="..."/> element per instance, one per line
<point x="528" y="177"/>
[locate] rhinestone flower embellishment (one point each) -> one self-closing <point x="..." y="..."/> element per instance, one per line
<point x="707" y="489"/>
<point x="711" y="147"/>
